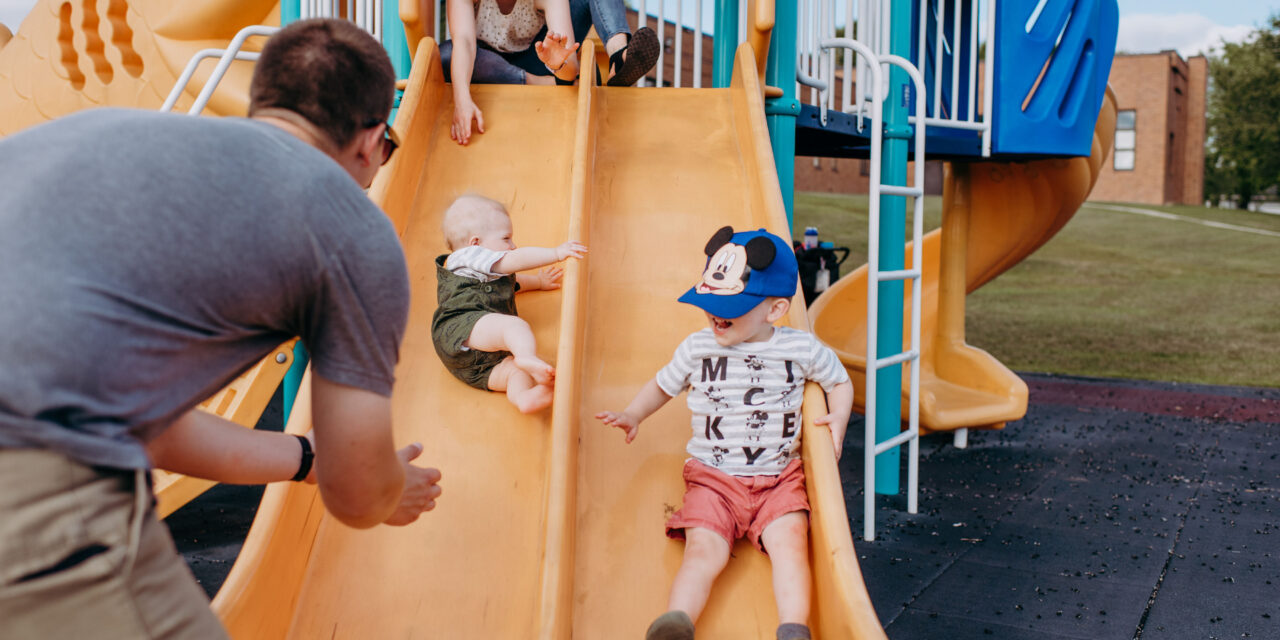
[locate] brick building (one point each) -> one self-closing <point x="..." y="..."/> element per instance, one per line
<point x="1160" y="130"/>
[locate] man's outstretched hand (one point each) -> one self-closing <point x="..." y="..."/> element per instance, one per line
<point x="421" y="488"/>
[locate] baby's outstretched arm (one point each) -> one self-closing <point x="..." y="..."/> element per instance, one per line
<point x="526" y="258"/>
<point x="650" y="399"/>
<point x="839" y="404"/>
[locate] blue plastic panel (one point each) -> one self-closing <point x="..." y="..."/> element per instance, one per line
<point x="1052" y="59"/>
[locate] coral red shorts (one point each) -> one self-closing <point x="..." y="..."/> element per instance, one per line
<point x="737" y="506"/>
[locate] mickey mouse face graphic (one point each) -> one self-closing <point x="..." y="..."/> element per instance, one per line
<point x="729" y="265"/>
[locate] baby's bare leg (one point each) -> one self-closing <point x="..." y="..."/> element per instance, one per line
<point x="787" y="540"/>
<point x="501" y="332"/>
<point x="522" y="391"/>
<point x="705" y="556"/>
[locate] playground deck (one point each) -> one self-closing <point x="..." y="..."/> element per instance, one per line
<point x="1115" y="509"/>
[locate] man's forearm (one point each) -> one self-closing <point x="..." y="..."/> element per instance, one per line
<point x="361" y="479"/>
<point x="202" y="445"/>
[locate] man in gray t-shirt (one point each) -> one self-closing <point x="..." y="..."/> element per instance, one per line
<point x="146" y="260"/>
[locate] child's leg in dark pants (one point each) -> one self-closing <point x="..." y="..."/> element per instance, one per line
<point x="491" y="67"/>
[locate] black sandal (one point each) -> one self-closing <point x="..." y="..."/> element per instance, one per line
<point x="641" y="54"/>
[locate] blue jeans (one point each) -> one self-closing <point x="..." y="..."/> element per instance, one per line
<point x="495" y="67"/>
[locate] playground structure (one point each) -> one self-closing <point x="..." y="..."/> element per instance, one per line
<point x="549" y="501"/>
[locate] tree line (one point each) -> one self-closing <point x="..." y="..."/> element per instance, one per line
<point x="1242" y="152"/>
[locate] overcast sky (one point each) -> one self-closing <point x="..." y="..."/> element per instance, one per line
<point x="1190" y="26"/>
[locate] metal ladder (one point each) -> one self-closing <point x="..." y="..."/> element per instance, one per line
<point x="875" y="276"/>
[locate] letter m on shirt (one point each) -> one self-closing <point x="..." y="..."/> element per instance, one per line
<point x="717" y="371"/>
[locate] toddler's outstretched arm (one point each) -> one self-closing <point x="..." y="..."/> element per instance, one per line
<point x="839" y="404"/>
<point x="650" y="399"/>
<point x="525" y="258"/>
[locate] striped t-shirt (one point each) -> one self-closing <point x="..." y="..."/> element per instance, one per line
<point x="746" y="398"/>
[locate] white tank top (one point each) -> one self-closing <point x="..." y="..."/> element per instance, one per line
<point x="508" y="33"/>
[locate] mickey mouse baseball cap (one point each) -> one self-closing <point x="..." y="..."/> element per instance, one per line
<point x="743" y="269"/>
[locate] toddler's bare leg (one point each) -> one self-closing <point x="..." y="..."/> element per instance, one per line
<point x="521" y="390"/>
<point x="705" y="556"/>
<point x="787" y="540"/>
<point x="501" y="332"/>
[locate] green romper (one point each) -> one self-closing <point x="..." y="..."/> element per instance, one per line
<point x="462" y="301"/>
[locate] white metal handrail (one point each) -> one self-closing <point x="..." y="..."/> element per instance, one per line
<point x="190" y="69"/>
<point x="366" y="14"/>
<point x="870" y="20"/>
<point x="230" y="54"/>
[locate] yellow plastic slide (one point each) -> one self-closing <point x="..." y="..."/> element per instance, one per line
<point x="550" y="525"/>
<point x="69" y="55"/>
<point x="995" y="214"/>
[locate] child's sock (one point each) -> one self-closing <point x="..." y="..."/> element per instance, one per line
<point x="793" y="631"/>
<point x="672" y="625"/>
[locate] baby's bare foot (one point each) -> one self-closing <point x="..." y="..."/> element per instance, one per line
<point x="541" y="372"/>
<point x="534" y="400"/>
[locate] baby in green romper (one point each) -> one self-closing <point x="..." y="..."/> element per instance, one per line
<point x="475" y="328"/>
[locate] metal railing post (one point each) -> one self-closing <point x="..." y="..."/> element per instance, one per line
<point x="725" y="45"/>
<point x="781" y="112"/>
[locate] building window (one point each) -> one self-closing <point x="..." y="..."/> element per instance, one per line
<point x="1126" y="122"/>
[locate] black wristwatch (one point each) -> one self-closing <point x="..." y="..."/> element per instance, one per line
<point x="308" y="455"/>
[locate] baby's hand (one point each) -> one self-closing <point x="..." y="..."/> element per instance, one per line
<point x="571" y="249"/>
<point x="621" y="421"/>
<point x="549" y="278"/>
<point x="554" y="50"/>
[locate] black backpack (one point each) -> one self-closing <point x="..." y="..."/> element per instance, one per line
<point x="812" y="262"/>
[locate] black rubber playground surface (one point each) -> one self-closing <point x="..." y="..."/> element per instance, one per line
<point x="1115" y="509"/>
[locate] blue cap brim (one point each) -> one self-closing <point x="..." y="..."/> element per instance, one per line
<point x="727" y="307"/>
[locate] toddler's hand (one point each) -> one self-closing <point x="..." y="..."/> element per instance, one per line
<point x="549" y="278"/>
<point x="571" y="249"/>
<point x="463" y="113"/>
<point x="621" y="421"/>
<point x="833" y="421"/>
<point x="555" y="49"/>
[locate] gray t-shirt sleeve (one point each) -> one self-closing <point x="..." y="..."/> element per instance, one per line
<point x="358" y="315"/>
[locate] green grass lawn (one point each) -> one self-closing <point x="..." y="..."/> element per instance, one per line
<point x="1117" y="294"/>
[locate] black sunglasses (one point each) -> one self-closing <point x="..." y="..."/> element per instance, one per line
<point x="390" y="141"/>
